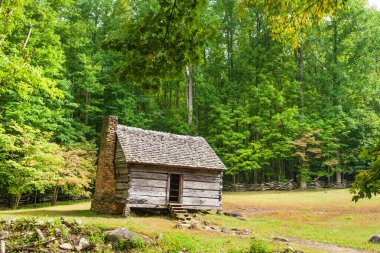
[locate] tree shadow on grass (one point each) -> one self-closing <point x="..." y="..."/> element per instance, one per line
<point x="58" y="213"/>
<point x="78" y="213"/>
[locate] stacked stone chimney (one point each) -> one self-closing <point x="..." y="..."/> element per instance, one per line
<point x="103" y="201"/>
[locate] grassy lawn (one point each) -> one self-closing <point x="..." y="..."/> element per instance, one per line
<point x="323" y="216"/>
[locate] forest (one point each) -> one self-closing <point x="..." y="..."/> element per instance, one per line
<point x="281" y="90"/>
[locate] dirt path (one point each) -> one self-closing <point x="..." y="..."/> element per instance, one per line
<point x="322" y="246"/>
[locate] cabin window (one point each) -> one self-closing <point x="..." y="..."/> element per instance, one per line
<point x="175" y="188"/>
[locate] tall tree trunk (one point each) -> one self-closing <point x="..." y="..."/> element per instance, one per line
<point x="338" y="173"/>
<point x="54" y="197"/>
<point x="256" y="176"/>
<point x="17" y="201"/>
<point x="303" y="164"/>
<point x="189" y="93"/>
<point x="177" y="94"/>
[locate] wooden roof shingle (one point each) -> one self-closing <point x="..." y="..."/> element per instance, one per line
<point x="165" y="149"/>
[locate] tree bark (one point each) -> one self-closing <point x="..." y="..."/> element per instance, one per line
<point x="1" y="5"/>
<point x="189" y="94"/>
<point x="256" y="176"/>
<point x="17" y="201"/>
<point x="27" y="37"/>
<point x="55" y="195"/>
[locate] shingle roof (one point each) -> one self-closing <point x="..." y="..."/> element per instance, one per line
<point x="158" y="148"/>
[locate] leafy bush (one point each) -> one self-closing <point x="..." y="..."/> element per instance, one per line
<point x="128" y="244"/>
<point x="259" y="246"/>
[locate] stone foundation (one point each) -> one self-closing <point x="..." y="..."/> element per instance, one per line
<point x="103" y="201"/>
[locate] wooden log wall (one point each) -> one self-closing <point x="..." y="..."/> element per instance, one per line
<point x="202" y="189"/>
<point x="122" y="177"/>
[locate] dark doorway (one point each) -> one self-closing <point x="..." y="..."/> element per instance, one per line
<point x="175" y="188"/>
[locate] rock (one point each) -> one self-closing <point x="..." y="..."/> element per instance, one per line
<point x="246" y="231"/>
<point x="179" y="225"/>
<point x="158" y="237"/>
<point x="78" y="222"/>
<point x="194" y="225"/>
<point x="374" y="239"/>
<point x="206" y="223"/>
<point x="57" y="232"/>
<point x="40" y="234"/>
<point x="4" y="235"/>
<point x="11" y="221"/>
<point x="280" y="239"/>
<point x="233" y="214"/>
<point x="83" y="245"/>
<point x="288" y="250"/>
<point x="124" y="233"/>
<point x="66" y="246"/>
<point x="219" y="212"/>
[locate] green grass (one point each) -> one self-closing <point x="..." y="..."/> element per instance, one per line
<point x="323" y="216"/>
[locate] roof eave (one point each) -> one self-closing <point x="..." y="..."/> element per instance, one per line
<point x="177" y="166"/>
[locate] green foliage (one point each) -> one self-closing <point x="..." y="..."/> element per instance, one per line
<point x="265" y="75"/>
<point x="129" y="244"/>
<point x="367" y="183"/>
<point x="159" y="38"/>
<point x="259" y="246"/>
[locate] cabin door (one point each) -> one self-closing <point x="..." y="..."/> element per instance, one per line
<point x="175" y="188"/>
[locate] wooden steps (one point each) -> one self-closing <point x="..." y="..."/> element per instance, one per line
<point x="177" y="211"/>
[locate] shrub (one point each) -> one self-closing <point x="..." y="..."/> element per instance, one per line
<point x="259" y="246"/>
<point x="128" y="244"/>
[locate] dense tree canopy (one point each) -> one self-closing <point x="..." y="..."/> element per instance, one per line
<point x="281" y="91"/>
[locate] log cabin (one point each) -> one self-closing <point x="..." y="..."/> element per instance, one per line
<point x="148" y="169"/>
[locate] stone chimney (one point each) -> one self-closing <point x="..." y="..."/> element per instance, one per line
<point x="103" y="201"/>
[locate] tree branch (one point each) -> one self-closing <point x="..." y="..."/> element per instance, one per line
<point x="170" y="20"/>
<point x="27" y="37"/>
<point x="1" y="4"/>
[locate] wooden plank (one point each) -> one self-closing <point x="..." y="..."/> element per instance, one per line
<point x="162" y="206"/>
<point x="200" y="201"/>
<point x="201" y="185"/>
<point x="145" y="182"/>
<point x="147" y="200"/>
<point x="148" y="191"/>
<point x="148" y="175"/>
<point x="199" y="178"/>
<point x="201" y="193"/>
